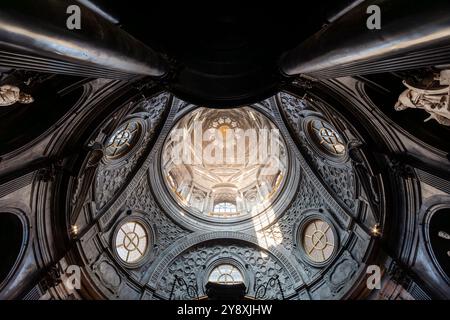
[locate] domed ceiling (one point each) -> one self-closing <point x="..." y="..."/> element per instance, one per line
<point x="224" y="163"/>
<point x="227" y="197"/>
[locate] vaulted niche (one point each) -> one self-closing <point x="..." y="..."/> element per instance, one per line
<point x="224" y="163"/>
<point x="11" y="239"/>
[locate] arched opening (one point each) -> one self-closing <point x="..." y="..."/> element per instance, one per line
<point x="11" y="239"/>
<point x="225" y="281"/>
<point x="226" y="274"/>
<point x="439" y="234"/>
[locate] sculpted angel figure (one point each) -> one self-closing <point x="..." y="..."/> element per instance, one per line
<point x="435" y="101"/>
<point x="9" y="95"/>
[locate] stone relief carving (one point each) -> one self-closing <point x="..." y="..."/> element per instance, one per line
<point x="167" y="231"/>
<point x="361" y="243"/>
<point x="182" y="105"/>
<point x="111" y="178"/>
<point x="341" y="273"/>
<point x="188" y="265"/>
<point x="155" y="106"/>
<point x="266" y="106"/>
<point x="108" y="275"/>
<point x="339" y="178"/>
<point x="337" y="278"/>
<point x="292" y="107"/>
<point x="280" y="233"/>
<point x="368" y="181"/>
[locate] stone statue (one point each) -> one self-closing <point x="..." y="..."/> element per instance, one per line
<point x="9" y="95"/>
<point x="434" y="99"/>
<point x="444" y="235"/>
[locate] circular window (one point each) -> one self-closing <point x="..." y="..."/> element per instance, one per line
<point x="318" y="240"/>
<point x="123" y="140"/>
<point x="325" y="138"/>
<point x="132" y="242"/>
<point x="226" y="274"/>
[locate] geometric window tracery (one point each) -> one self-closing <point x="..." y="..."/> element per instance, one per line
<point x="123" y="140"/>
<point x="318" y="240"/>
<point x="225" y="207"/>
<point x="226" y="274"/>
<point x="132" y="242"/>
<point x="326" y="137"/>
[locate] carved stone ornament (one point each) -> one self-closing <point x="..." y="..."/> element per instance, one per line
<point x="341" y="273"/>
<point x="434" y="99"/>
<point x="444" y="235"/>
<point x="108" y="275"/>
<point x="137" y="132"/>
<point x="189" y="265"/>
<point x="51" y="278"/>
<point x="333" y="167"/>
<point x="9" y="95"/>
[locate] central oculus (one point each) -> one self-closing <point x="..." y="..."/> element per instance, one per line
<point x="224" y="163"/>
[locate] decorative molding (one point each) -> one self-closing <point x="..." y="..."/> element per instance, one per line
<point x="156" y="272"/>
<point x="341" y="273"/>
<point x="259" y="267"/>
<point x="281" y="231"/>
<point x="166" y="231"/>
<point x="343" y="214"/>
<point x="16" y="184"/>
<point x="112" y="174"/>
<point x="121" y="198"/>
<point x="107" y="274"/>
<point x="434" y="181"/>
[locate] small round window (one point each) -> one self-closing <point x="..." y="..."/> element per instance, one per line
<point x="132" y="242"/>
<point x="326" y="138"/>
<point x="318" y="240"/>
<point x="226" y="274"/>
<point x="123" y="140"/>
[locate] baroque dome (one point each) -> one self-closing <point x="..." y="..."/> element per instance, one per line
<point x="225" y="163"/>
